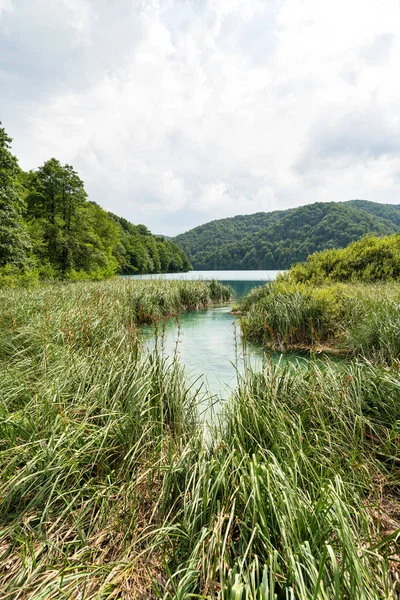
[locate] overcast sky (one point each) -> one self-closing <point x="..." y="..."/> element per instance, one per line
<point x="177" y="112"/>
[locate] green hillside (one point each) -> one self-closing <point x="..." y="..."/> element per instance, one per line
<point x="280" y="239"/>
<point x="388" y="212"/>
<point x="224" y="231"/>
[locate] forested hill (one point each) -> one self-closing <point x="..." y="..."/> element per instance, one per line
<point x="388" y="212"/>
<point x="50" y="230"/>
<point x="279" y="239"/>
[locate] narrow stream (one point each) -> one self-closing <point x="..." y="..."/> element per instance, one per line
<point x="209" y="341"/>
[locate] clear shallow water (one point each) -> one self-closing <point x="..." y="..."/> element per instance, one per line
<point x="210" y="346"/>
<point x="208" y="341"/>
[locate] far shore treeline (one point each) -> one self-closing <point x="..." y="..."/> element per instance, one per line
<point x="282" y="238"/>
<point x="50" y="230"/>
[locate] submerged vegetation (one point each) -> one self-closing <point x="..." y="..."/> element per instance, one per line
<point x="347" y="300"/>
<point x="109" y="489"/>
<point x="50" y="231"/>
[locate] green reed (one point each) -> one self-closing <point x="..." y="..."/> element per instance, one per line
<point x="288" y="502"/>
<point x="110" y="489"/>
<point x="352" y="318"/>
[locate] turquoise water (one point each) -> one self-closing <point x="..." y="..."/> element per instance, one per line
<point x="208" y="342"/>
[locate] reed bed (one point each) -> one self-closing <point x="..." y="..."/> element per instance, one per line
<point x="350" y="318"/>
<point x="297" y="497"/>
<point x="85" y="314"/>
<point x="109" y="488"/>
<point x="88" y="425"/>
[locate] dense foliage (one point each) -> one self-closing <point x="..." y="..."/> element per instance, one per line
<point x="388" y="212"/>
<point x="14" y="243"/>
<point x="346" y="299"/>
<point x="49" y="229"/>
<point x="216" y="234"/>
<point x="142" y="252"/>
<point x="280" y="239"/>
<point x="110" y="489"/>
<point x="369" y="259"/>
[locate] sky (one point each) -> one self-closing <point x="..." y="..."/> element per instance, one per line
<point x="178" y="112"/>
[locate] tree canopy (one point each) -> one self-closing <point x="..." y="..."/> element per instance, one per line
<point x="50" y="228"/>
<point x="14" y="241"/>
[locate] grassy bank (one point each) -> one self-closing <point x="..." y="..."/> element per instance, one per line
<point x="91" y="311"/>
<point x="351" y="318"/>
<point x="89" y="425"/>
<point x="108" y="489"/>
<point x="340" y="300"/>
<point x="87" y="435"/>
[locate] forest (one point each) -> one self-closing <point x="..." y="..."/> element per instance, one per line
<point x="50" y="230"/>
<point x="279" y="239"/>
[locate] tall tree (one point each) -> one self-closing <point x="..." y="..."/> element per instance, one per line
<point x="45" y="217"/>
<point x="14" y="240"/>
<point x="58" y="198"/>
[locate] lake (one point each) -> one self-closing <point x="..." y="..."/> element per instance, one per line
<point x="208" y="341"/>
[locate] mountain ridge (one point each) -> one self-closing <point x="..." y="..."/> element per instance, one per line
<point x="279" y="239"/>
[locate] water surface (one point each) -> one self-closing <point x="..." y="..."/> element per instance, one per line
<point x="208" y="342"/>
<point x="257" y="276"/>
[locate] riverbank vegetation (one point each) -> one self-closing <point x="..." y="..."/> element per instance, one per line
<point x="280" y="239"/>
<point x="346" y="300"/>
<point x="49" y="230"/>
<point x="110" y="490"/>
<point x="370" y="259"/>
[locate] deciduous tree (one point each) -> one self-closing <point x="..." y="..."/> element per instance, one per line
<point x="14" y="240"/>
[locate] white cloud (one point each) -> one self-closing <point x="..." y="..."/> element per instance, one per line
<point x="5" y="5"/>
<point x="176" y="112"/>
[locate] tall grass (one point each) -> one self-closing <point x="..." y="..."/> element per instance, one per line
<point x="358" y="319"/>
<point x="85" y="314"/>
<point x="288" y="500"/>
<point x="109" y="490"/>
<point x="88" y="425"/>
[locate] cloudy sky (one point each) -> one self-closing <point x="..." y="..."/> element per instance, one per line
<point x="176" y="112"/>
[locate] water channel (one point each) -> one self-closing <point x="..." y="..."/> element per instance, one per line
<point x="208" y="341"/>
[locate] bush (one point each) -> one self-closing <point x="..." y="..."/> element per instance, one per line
<point x="14" y="277"/>
<point x="370" y="259"/>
